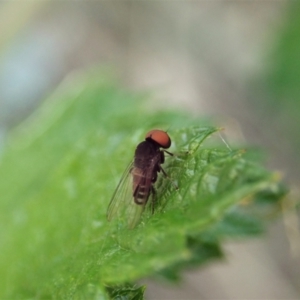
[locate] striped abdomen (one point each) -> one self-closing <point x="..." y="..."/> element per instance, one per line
<point x="141" y="185"/>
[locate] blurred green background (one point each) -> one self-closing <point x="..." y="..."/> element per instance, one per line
<point x="238" y="62"/>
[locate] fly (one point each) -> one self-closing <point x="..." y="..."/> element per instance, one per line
<point x="136" y="185"/>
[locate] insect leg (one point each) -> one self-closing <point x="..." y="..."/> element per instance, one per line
<point x="153" y="198"/>
<point x="167" y="176"/>
<point x="171" y="154"/>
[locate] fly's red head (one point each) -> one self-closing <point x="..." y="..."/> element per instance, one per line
<point x="160" y="137"/>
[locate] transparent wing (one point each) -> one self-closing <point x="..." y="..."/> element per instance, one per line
<point x="122" y="206"/>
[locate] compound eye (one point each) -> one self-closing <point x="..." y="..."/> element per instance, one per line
<point x="160" y="137"/>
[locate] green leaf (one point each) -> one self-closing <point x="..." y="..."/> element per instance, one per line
<point x="127" y="292"/>
<point x="59" y="171"/>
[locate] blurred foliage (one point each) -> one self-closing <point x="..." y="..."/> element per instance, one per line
<point x="285" y="61"/>
<point x="279" y="89"/>
<point x="60" y="168"/>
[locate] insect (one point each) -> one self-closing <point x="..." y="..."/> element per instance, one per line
<point x="136" y="185"/>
